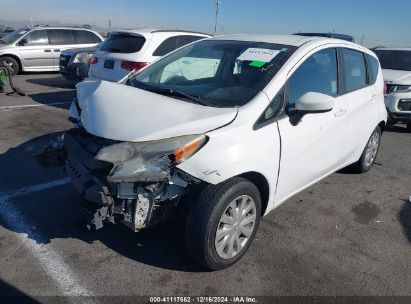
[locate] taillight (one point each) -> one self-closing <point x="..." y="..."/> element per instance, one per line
<point x="93" y="60"/>
<point x="385" y="88"/>
<point x="130" y="65"/>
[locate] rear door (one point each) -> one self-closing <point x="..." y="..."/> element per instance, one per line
<point x="36" y="51"/>
<point x="60" y="39"/>
<point x="313" y="147"/>
<point x="361" y="98"/>
<point x="116" y="56"/>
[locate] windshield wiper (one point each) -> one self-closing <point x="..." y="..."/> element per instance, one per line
<point x="174" y="92"/>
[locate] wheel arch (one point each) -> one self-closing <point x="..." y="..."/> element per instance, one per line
<point x="15" y="57"/>
<point x="262" y="184"/>
<point x="382" y="126"/>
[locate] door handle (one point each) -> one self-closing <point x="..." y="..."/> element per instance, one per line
<point x="57" y="50"/>
<point x="340" y="112"/>
<point x="47" y="50"/>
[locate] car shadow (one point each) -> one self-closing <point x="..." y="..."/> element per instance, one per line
<point x="161" y="246"/>
<point x="52" y="82"/>
<point x="10" y="294"/>
<point x="60" y="99"/>
<point x="404" y="217"/>
<point x="397" y="129"/>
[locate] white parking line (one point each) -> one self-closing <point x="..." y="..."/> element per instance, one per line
<point x="34" y="242"/>
<point x="34" y="105"/>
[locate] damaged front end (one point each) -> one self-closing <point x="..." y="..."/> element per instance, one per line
<point x="136" y="184"/>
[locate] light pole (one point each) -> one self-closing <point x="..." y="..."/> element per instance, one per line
<point x="217" y="3"/>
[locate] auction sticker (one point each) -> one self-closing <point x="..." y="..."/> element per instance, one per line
<point x="258" y="54"/>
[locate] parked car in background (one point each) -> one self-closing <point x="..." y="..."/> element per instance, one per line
<point x="396" y="65"/>
<point x="38" y="49"/>
<point x="75" y="63"/>
<point x="257" y="119"/>
<point x="328" y="35"/>
<point x="128" y="50"/>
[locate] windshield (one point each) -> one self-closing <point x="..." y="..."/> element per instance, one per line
<point x="395" y="60"/>
<point x="13" y="36"/>
<point x="215" y="72"/>
<point x="123" y="43"/>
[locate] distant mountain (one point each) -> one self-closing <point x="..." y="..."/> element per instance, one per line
<point x="24" y="23"/>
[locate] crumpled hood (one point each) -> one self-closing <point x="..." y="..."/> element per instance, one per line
<point x="119" y="112"/>
<point x="397" y="77"/>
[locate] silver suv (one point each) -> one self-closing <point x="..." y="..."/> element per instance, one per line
<point x="38" y="49"/>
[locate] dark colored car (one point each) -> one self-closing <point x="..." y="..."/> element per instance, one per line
<point x="74" y="63"/>
<point x="328" y="35"/>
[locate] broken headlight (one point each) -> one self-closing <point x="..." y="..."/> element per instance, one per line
<point x="149" y="161"/>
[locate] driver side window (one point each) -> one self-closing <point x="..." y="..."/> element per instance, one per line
<point x="36" y="38"/>
<point x="317" y="74"/>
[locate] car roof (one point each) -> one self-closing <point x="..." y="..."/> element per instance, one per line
<point x="292" y="40"/>
<point x="392" y="49"/>
<point x="46" y="27"/>
<point x="153" y="31"/>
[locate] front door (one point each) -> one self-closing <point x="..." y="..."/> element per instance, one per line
<point x="312" y="147"/>
<point x="35" y="51"/>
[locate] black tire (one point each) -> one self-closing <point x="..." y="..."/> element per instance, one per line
<point x="11" y="64"/>
<point x="204" y="217"/>
<point x="361" y="166"/>
<point x="409" y="127"/>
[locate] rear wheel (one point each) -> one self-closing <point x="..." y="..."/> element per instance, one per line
<point x="11" y="64"/>
<point x="368" y="156"/>
<point x="409" y="127"/>
<point x="222" y="224"/>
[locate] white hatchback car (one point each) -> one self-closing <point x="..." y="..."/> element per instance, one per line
<point x="396" y="69"/>
<point x="128" y="50"/>
<point x="262" y="118"/>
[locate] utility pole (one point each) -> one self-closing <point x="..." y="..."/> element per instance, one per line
<point x="109" y="25"/>
<point x="218" y="4"/>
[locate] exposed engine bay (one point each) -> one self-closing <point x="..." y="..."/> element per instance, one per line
<point x="149" y="195"/>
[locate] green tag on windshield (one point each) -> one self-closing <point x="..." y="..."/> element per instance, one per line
<point x="257" y="64"/>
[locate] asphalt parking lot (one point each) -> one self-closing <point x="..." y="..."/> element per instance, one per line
<point x="347" y="235"/>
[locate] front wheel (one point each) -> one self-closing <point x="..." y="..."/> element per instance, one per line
<point x="222" y="224"/>
<point x="11" y="64"/>
<point x="368" y="156"/>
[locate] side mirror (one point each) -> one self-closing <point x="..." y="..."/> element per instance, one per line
<point x="313" y="102"/>
<point x="23" y="42"/>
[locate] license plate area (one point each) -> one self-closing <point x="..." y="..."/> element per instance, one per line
<point x="109" y="64"/>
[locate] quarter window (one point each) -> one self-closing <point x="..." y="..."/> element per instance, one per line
<point x="317" y="74"/>
<point x="86" y="37"/>
<point x="355" y="75"/>
<point x="374" y="67"/>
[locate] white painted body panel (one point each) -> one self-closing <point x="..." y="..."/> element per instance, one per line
<point x="398" y="78"/>
<point x="120" y="112"/>
<point x="291" y="158"/>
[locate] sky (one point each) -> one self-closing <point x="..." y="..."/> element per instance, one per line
<point x="372" y="22"/>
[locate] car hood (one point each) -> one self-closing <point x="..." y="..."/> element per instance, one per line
<point x="397" y="77"/>
<point x="120" y="112"/>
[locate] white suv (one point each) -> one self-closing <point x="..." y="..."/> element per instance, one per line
<point x="128" y="50"/>
<point x="262" y="118"/>
<point x="396" y="65"/>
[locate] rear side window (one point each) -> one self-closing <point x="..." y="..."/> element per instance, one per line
<point x="60" y="37"/>
<point x="86" y="37"/>
<point x="123" y="43"/>
<point x="173" y="43"/>
<point x="373" y="66"/>
<point x="355" y="75"/>
<point x="317" y="74"/>
<point x="36" y="38"/>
